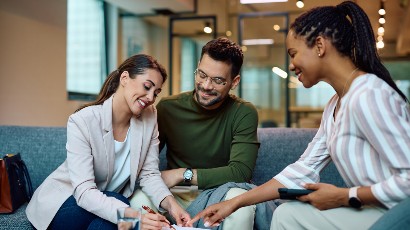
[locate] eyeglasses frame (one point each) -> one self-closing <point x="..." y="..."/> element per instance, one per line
<point x="212" y="79"/>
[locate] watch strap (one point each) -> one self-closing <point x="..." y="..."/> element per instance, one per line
<point x="353" y="192"/>
<point x="354" y="200"/>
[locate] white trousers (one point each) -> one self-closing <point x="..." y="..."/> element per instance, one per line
<point x="242" y="219"/>
<point x="299" y="215"/>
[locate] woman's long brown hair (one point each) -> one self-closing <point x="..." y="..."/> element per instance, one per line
<point x="134" y="65"/>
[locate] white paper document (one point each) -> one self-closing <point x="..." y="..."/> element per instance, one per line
<point x="183" y="228"/>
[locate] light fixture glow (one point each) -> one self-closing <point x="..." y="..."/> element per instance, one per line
<point x="300" y="4"/>
<point x="380" y="44"/>
<point x="281" y="73"/>
<point x="260" y="1"/>
<point x="228" y="33"/>
<point x="276" y="27"/>
<point x="251" y="42"/>
<point x="382" y="11"/>
<point x="207" y="28"/>
<point x="244" y="48"/>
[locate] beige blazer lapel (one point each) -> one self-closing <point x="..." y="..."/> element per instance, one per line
<point x="108" y="138"/>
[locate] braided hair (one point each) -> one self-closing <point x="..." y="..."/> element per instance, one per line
<point x="350" y="32"/>
<point x="135" y="65"/>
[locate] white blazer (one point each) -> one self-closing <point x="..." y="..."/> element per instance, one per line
<point x="89" y="166"/>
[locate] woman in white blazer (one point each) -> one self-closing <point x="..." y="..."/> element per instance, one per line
<point x="112" y="144"/>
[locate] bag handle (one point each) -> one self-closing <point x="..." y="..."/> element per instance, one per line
<point x="23" y="177"/>
<point x="28" y="180"/>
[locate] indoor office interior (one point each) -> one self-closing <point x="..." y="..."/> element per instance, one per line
<point x="55" y="54"/>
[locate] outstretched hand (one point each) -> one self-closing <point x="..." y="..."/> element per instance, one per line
<point x="214" y="214"/>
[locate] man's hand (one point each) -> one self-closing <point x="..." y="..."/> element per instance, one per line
<point x="326" y="196"/>
<point x="172" y="177"/>
<point x="176" y="211"/>
<point x="180" y="215"/>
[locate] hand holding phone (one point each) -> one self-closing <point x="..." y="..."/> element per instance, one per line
<point x="291" y="194"/>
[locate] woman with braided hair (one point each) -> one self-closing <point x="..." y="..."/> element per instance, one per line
<point x="365" y="130"/>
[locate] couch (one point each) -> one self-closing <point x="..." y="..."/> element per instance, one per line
<point x="43" y="150"/>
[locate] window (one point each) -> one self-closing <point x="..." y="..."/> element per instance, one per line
<point x="189" y="61"/>
<point x="86" y="64"/>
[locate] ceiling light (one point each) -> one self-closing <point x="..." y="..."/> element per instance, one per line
<point x="280" y="72"/>
<point x="380" y="44"/>
<point x="300" y="4"/>
<point x="382" y="11"/>
<point x="250" y="42"/>
<point x="382" y="20"/>
<point x="260" y="1"/>
<point x="207" y="28"/>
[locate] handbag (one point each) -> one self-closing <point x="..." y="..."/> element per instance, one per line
<point x="16" y="188"/>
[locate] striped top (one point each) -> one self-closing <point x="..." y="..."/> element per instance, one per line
<point x="369" y="142"/>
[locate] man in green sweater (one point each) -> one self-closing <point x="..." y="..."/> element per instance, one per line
<point x="210" y="135"/>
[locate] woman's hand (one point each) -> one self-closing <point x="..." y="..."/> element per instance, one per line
<point x="326" y="196"/>
<point x="151" y="221"/>
<point x="215" y="214"/>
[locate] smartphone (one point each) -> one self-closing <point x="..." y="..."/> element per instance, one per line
<point x="291" y="194"/>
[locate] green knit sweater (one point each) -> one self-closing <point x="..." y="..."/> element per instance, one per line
<point x="222" y="144"/>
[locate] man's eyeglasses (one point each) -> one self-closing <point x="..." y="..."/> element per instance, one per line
<point x="215" y="81"/>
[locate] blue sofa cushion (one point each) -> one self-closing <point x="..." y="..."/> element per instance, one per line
<point x="283" y="146"/>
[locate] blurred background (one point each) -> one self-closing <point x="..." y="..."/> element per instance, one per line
<point x="55" y="54"/>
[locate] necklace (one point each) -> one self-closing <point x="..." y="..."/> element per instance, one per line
<point x="343" y="91"/>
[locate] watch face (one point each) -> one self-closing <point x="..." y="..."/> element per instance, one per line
<point x="355" y="203"/>
<point x="188" y="175"/>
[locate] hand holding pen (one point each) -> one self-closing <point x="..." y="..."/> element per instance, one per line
<point x="149" y="210"/>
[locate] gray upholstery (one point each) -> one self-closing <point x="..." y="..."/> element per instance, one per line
<point x="283" y="146"/>
<point x="43" y="150"/>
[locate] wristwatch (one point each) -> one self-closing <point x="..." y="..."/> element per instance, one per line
<point x="354" y="201"/>
<point x="188" y="175"/>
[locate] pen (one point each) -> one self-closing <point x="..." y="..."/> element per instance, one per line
<point x="148" y="209"/>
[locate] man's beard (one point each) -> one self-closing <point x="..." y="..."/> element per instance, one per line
<point x="206" y="103"/>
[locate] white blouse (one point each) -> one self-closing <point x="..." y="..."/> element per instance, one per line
<point x="122" y="168"/>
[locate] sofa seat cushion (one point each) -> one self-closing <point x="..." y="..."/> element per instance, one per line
<point x="16" y="220"/>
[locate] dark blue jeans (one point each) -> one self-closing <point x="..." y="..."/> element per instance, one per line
<point x="72" y="216"/>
